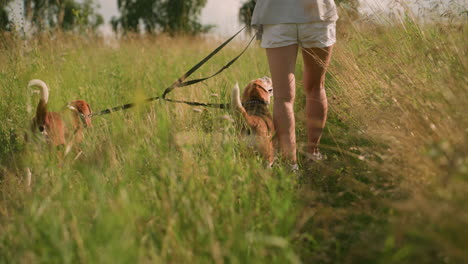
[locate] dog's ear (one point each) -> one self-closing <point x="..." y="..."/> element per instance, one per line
<point x="247" y="92"/>
<point x="82" y="110"/>
<point x="260" y="90"/>
<point x="86" y="111"/>
<point x="89" y="108"/>
<point x="88" y="118"/>
<point x="266" y="84"/>
<point x="260" y="83"/>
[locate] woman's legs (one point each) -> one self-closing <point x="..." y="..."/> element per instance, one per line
<point x="282" y="63"/>
<point x="316" y="61"/>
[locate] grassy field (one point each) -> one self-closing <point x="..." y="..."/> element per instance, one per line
<point x="166" y="183"/>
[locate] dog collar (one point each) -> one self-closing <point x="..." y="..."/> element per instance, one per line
<point x="81" y="115"/>
<point x="255" y="102"/>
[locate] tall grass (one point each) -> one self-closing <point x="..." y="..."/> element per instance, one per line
<point x="164" y="183"/>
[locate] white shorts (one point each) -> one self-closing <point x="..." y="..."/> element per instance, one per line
<point x="307" y="35"/>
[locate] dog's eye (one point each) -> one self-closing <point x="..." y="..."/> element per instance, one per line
<point x="41" y="128"/>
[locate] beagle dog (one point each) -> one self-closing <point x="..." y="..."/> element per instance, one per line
<point x="253" y="107"/>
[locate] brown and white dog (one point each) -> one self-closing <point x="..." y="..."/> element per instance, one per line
<point x="53" y="126"/>
<point x="253" y="106"/>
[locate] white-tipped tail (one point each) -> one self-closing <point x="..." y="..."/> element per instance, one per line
<point x="235" y="98"/>
<point x="43" y="86"/>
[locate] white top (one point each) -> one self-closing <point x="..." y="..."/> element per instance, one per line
<point x="293" y="11"/>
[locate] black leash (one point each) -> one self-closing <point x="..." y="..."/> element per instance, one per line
<point x="182" y="83"/>
<point x="122" y="107"/>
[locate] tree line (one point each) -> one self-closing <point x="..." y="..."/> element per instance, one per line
<point x="45" y="15"/>
<point x="137" y="16"/>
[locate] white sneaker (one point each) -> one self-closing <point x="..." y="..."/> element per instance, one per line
<point x="294" y="168"/>
<point x="316" y="156"/>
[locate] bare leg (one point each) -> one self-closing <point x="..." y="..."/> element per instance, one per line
<point x="282" y="63"/>
<point x="316" y="61"/>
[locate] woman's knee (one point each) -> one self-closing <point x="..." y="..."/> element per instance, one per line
<point x="313" y="88"/>
<point x="285" y="100"/>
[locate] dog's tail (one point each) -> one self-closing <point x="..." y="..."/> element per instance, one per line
<point x="41" y="110"/>
<point x="236" y="105"/>
<point x="44" y="89"/>
<point x="235" y="99"/>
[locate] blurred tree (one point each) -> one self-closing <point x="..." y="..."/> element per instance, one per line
<point x="245" y="13"/>
<point x="348" y="6"/>
<point x="4" y="18"/>
<point x="62" y="14"/>
<point x="138" y="15"/>
<point x="154" y="16"/>
<point x="182" y="16"/>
